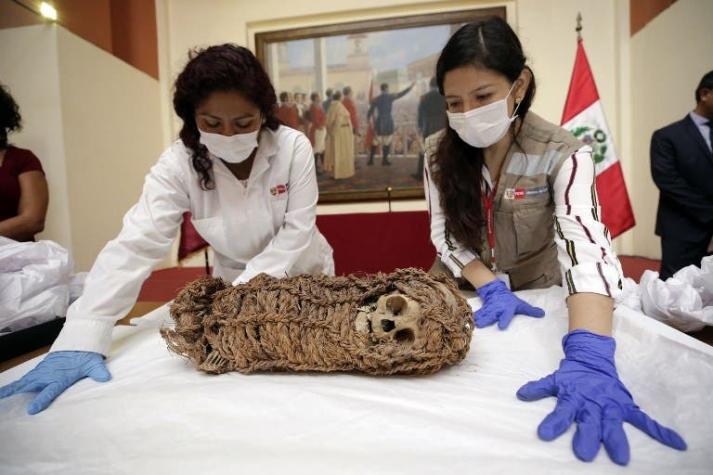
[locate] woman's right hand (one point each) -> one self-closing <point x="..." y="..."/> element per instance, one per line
<point x="57" y="372"/>
<point x="501" y="305"/>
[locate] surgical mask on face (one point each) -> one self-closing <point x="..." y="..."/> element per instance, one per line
<point x="234" y="149"/>
<point x="483" y="126"/>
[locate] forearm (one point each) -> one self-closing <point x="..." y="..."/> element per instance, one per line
<point x="21" y="227"/>
<point x="589" y="311"/>
<point x="477" y="273"/>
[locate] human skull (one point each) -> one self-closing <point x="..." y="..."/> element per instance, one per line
<point x="395" y="317"/>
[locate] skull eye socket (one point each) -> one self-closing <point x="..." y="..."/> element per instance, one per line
<point x="396" y="304"/>
<point x="405" y="335"/>
<point x="387" y="325"/>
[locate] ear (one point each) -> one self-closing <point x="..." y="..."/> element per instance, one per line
<point x="522" y="84"/>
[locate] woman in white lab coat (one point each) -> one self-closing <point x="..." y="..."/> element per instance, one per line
<point x="250" y="185"/>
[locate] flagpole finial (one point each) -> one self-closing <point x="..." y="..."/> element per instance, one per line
<point x="579" y="26"/>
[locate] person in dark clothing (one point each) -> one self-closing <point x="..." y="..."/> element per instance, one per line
<point x="327" y="100"/>
<point x="384" y="123"/>
<point x="682" y="168"/>
<point x="431" y="119"/>
<point x="24" y="194"/>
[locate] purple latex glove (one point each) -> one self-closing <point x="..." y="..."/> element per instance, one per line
<point x="589" y="392"/>
<point x="500" y="305"/>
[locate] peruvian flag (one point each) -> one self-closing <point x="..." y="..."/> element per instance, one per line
<point x="584" y="117"/>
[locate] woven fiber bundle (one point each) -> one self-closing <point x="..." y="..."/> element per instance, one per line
<point x="406" y="322"/>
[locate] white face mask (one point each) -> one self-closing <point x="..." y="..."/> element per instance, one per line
<point x="483" y="126"/>
<point x="234" y="149"/>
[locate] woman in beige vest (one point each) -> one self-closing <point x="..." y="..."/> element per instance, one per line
<point x="339" y="155"/>
<point x="513" y="205"/>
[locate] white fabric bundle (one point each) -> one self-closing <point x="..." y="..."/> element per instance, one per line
<point x="684" y="301"/>
<point x="36" y="283"/>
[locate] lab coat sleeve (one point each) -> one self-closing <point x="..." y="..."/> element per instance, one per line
<point x="114" y="281"/>
<point x="297" y="231"/>
<point x="584" y="248"/>
<point x="453" y="254"/>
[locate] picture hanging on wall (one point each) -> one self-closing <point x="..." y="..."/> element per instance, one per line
<point x="363" y="92"/>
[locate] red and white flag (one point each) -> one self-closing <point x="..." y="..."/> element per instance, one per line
<point x="584" y="117"/>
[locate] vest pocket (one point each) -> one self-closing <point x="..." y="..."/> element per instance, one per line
<point x="534" y="230"/>
<point x="505" y="240"/>
<point x="537" y="273"/>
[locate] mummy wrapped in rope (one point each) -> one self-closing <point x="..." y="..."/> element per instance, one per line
<point x="406" y="322"/>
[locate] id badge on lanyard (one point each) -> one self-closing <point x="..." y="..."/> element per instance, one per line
<point x="488" y="205"/>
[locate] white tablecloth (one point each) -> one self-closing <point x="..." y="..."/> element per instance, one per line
<point x="159" y="415"/>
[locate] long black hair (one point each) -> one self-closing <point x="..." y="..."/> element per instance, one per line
<point x="489" y="43"/>
<point x="10" y="119"/>
<point x="226" y="67"/>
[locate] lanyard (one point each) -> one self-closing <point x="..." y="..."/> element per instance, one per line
<point x="488" y="200"/>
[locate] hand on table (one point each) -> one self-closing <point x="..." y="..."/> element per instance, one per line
<point x="589" y="392"/>
<point x="54" y="374"/>
<point x="501" y="305"/>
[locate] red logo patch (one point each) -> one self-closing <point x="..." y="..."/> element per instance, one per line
<point x="279" y="189"/>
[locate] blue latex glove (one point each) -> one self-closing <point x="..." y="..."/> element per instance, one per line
<point x="500" y="305"/>
<point x="589" y="393"/>
<point x="57" y="372"/>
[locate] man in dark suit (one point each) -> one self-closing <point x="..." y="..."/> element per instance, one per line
<point x="384" y="124"/>
<point x="682" y="168"/>
<point x="431" y="118"/>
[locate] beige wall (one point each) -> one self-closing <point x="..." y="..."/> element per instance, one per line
<point x="668" y="58"/>
<point x="29" y="67"/>
<point x="112" y="133"/>
<point x="95" y="123"/>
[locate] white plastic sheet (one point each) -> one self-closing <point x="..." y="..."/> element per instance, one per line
<point x="35" y="280"/>
<point x="159" y="415"/>
<point x="700" y="278"/>
<point x="684" y="301"/>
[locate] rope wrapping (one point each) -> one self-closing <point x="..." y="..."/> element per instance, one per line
<point x="405" y="322"/>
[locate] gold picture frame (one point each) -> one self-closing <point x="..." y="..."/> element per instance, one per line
<point x="362" y="55"/>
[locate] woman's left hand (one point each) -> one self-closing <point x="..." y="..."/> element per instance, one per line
<point x="501" y="305"/>
<point x="589" y="392"/>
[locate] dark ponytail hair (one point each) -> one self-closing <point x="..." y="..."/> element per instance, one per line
<point x="10" y="119"/>
<point x="489" y="43"/>
<point x="225" y="67"/>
